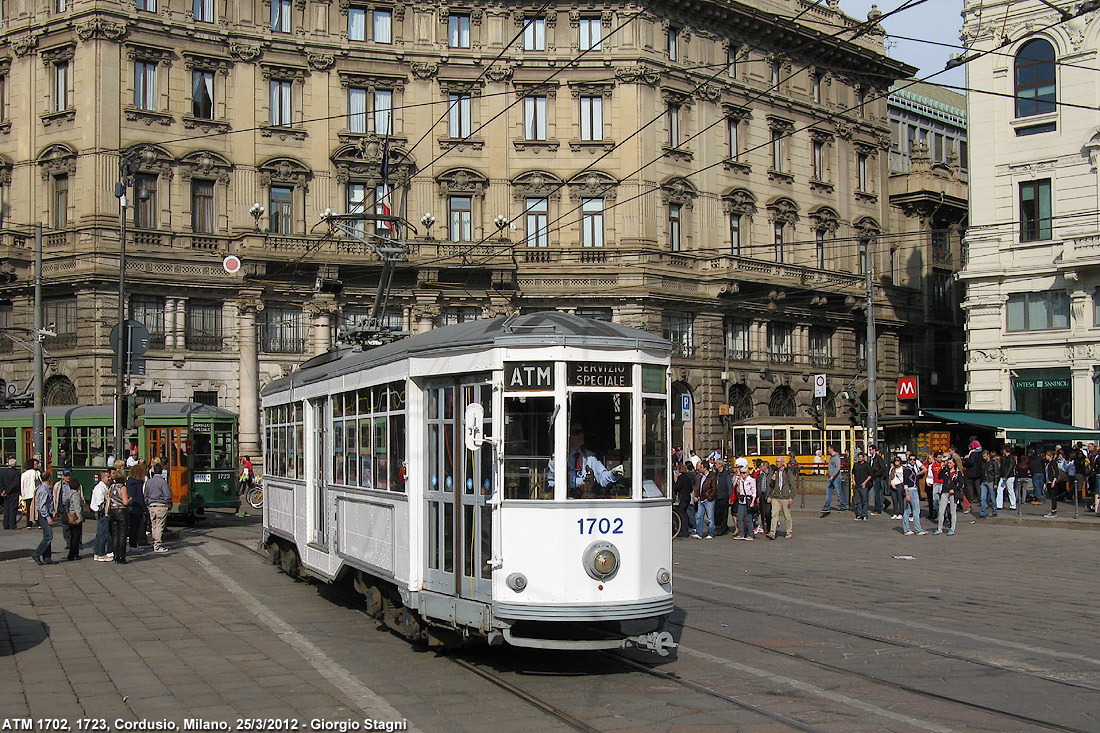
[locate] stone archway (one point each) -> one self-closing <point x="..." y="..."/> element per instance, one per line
<point x="59" y="390"/>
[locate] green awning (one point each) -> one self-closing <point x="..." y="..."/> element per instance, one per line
<point x="1016" y="426"/>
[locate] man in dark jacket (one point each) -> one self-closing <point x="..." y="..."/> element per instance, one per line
<point x="1036" y="466"/>
<point x="722" y="501"/>
<point x="878" y="470"/>
<point x="972" y="471"/>
<point x="684" y="487"/>
<point x="765" y="481"/>
<point x="861" y="482"/>
<point x="704" y="513"/>
<point x="9" y="493"/>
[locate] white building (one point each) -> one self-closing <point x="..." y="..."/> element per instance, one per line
<point x="1033" y="266"/>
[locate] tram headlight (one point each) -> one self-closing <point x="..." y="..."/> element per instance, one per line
<point x="601" y="560"/>
<point x="517" y="582"/>
<point x="664" y="577"/>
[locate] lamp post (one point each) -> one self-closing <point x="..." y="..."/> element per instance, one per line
<point x="427" y="220"/>
<point x="130" y="162"/>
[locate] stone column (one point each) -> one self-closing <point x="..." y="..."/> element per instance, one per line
<point x="1084" y="395"/>
<point x="169" y="324"/>
<point x="181" y="323"/>
<point x="248" y="401"/>
<point x="322" y="309"/>
<point x="425" y="316"/>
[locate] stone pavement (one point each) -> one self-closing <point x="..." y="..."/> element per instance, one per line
<point x="848" y="627"/>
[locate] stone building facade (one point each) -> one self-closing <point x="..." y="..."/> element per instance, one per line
<point x="1033" y="269"/>
<point x="709" y="170"/>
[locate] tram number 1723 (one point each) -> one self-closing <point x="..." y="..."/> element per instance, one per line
<point x="600" y="526"/>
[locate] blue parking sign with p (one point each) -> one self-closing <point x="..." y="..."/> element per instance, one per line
<point x="685" y="407"/>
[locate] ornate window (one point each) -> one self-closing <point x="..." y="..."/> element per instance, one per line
<point x="458" y="30"/>
<point x="287" y="181"/>
<point x="592" y="231"/>
<point x="739" y="204"/>
<point x="783" y="213"/>
<point x="205" y="171"/>
<point x="591" y="34"/>
<point x="1036" y="78"/>
<point x="534" y="34"/>
<point x="203" y="325"/>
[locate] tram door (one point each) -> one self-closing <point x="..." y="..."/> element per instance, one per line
<point x="170" y="443"/>
<point x="316" y="474"/>
<point x="460" y="484"/>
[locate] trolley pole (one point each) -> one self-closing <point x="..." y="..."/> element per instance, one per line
<point x="38" y="429"/>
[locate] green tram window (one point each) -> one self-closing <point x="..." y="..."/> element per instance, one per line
<point x="212" y="447"/>
<point x="224" y="459"/>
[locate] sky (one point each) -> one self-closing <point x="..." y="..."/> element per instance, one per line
<point x="933" y="20"/>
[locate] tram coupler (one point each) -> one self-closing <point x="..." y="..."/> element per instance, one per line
<point x="659" y="642"/>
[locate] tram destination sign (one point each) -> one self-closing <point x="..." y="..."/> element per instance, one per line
<point x="599" y="374"/>
<point x="522" y="375"/>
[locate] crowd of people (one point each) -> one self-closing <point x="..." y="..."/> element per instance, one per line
<point x="129" y="503"/>
<point x="756" y="498"/>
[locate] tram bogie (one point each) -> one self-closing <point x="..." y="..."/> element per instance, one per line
<point x="501" y="481"/>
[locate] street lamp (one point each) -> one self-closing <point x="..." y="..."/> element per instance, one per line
<point x="256" y="211"/>
<point x="427" y="220"/>
<point x="130" y="162"/>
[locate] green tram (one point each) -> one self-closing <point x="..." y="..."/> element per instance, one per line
<point x="197" y="443"/>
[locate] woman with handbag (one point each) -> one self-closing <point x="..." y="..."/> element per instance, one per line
<point x="72" y="514"/>
<point x="118" y="510"/>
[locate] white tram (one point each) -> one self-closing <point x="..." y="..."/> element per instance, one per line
<point x="504" y="480"/>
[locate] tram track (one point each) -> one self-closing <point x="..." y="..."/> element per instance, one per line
<point x="893" y="684"/>
<point x="895" y="642"/>
<point x="353" y="601"/>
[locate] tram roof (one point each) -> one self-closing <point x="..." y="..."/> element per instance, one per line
<point x="545" y="328"/>
<point x="152" y="409"/>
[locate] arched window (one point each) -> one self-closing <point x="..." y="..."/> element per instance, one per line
<point x="1036" y="90"/>
<point x="782" y="403"/>
<point x="740" y="402"/>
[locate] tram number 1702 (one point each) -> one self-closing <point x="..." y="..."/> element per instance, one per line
<point x="601" y="526"/>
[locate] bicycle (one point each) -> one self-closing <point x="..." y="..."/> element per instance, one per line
<point x="676" y="521"/>
<point x="255" y="496"/>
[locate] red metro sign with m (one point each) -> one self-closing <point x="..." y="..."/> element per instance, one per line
<point x="907" y="388"/>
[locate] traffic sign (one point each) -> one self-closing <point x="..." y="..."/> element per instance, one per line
<point x="139" y="338"/>
<point x="11" y="389"/>
<point x="907" y="388"/>
<point x="820" y="385"/>
<point x="231" y="264"/>
<point x="685" y="407"/>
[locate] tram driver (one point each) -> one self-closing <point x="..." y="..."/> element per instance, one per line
<point x="585" y="470"/>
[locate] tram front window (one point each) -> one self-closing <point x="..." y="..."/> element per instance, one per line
<point x="528" y="446"/>
<point x="599" y="446"/>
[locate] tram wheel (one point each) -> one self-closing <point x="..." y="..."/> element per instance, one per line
<point x="189" y="519"/>
<point x="372" y="602"/>
<point x="410" y="625"/>
<point x="676" y="521"/>
<point x="274" y="552"/>
<point x="290" y="562"/>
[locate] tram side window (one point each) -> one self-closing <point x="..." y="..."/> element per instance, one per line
<point x="368" y="437"/>
<point x="528" y="446"/>
<point x="9" y="441"/>
<point x="599" y="443"/>
<point x="283" y="438"/>
<point x="223" y="448"/>
<point x="654" y="448"/>
<point x="745" y="442"/>
<point x="201" y="451"/>
<point x="773" y="442"/>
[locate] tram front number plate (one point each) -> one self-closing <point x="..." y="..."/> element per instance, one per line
<point x="201" y="478"/>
